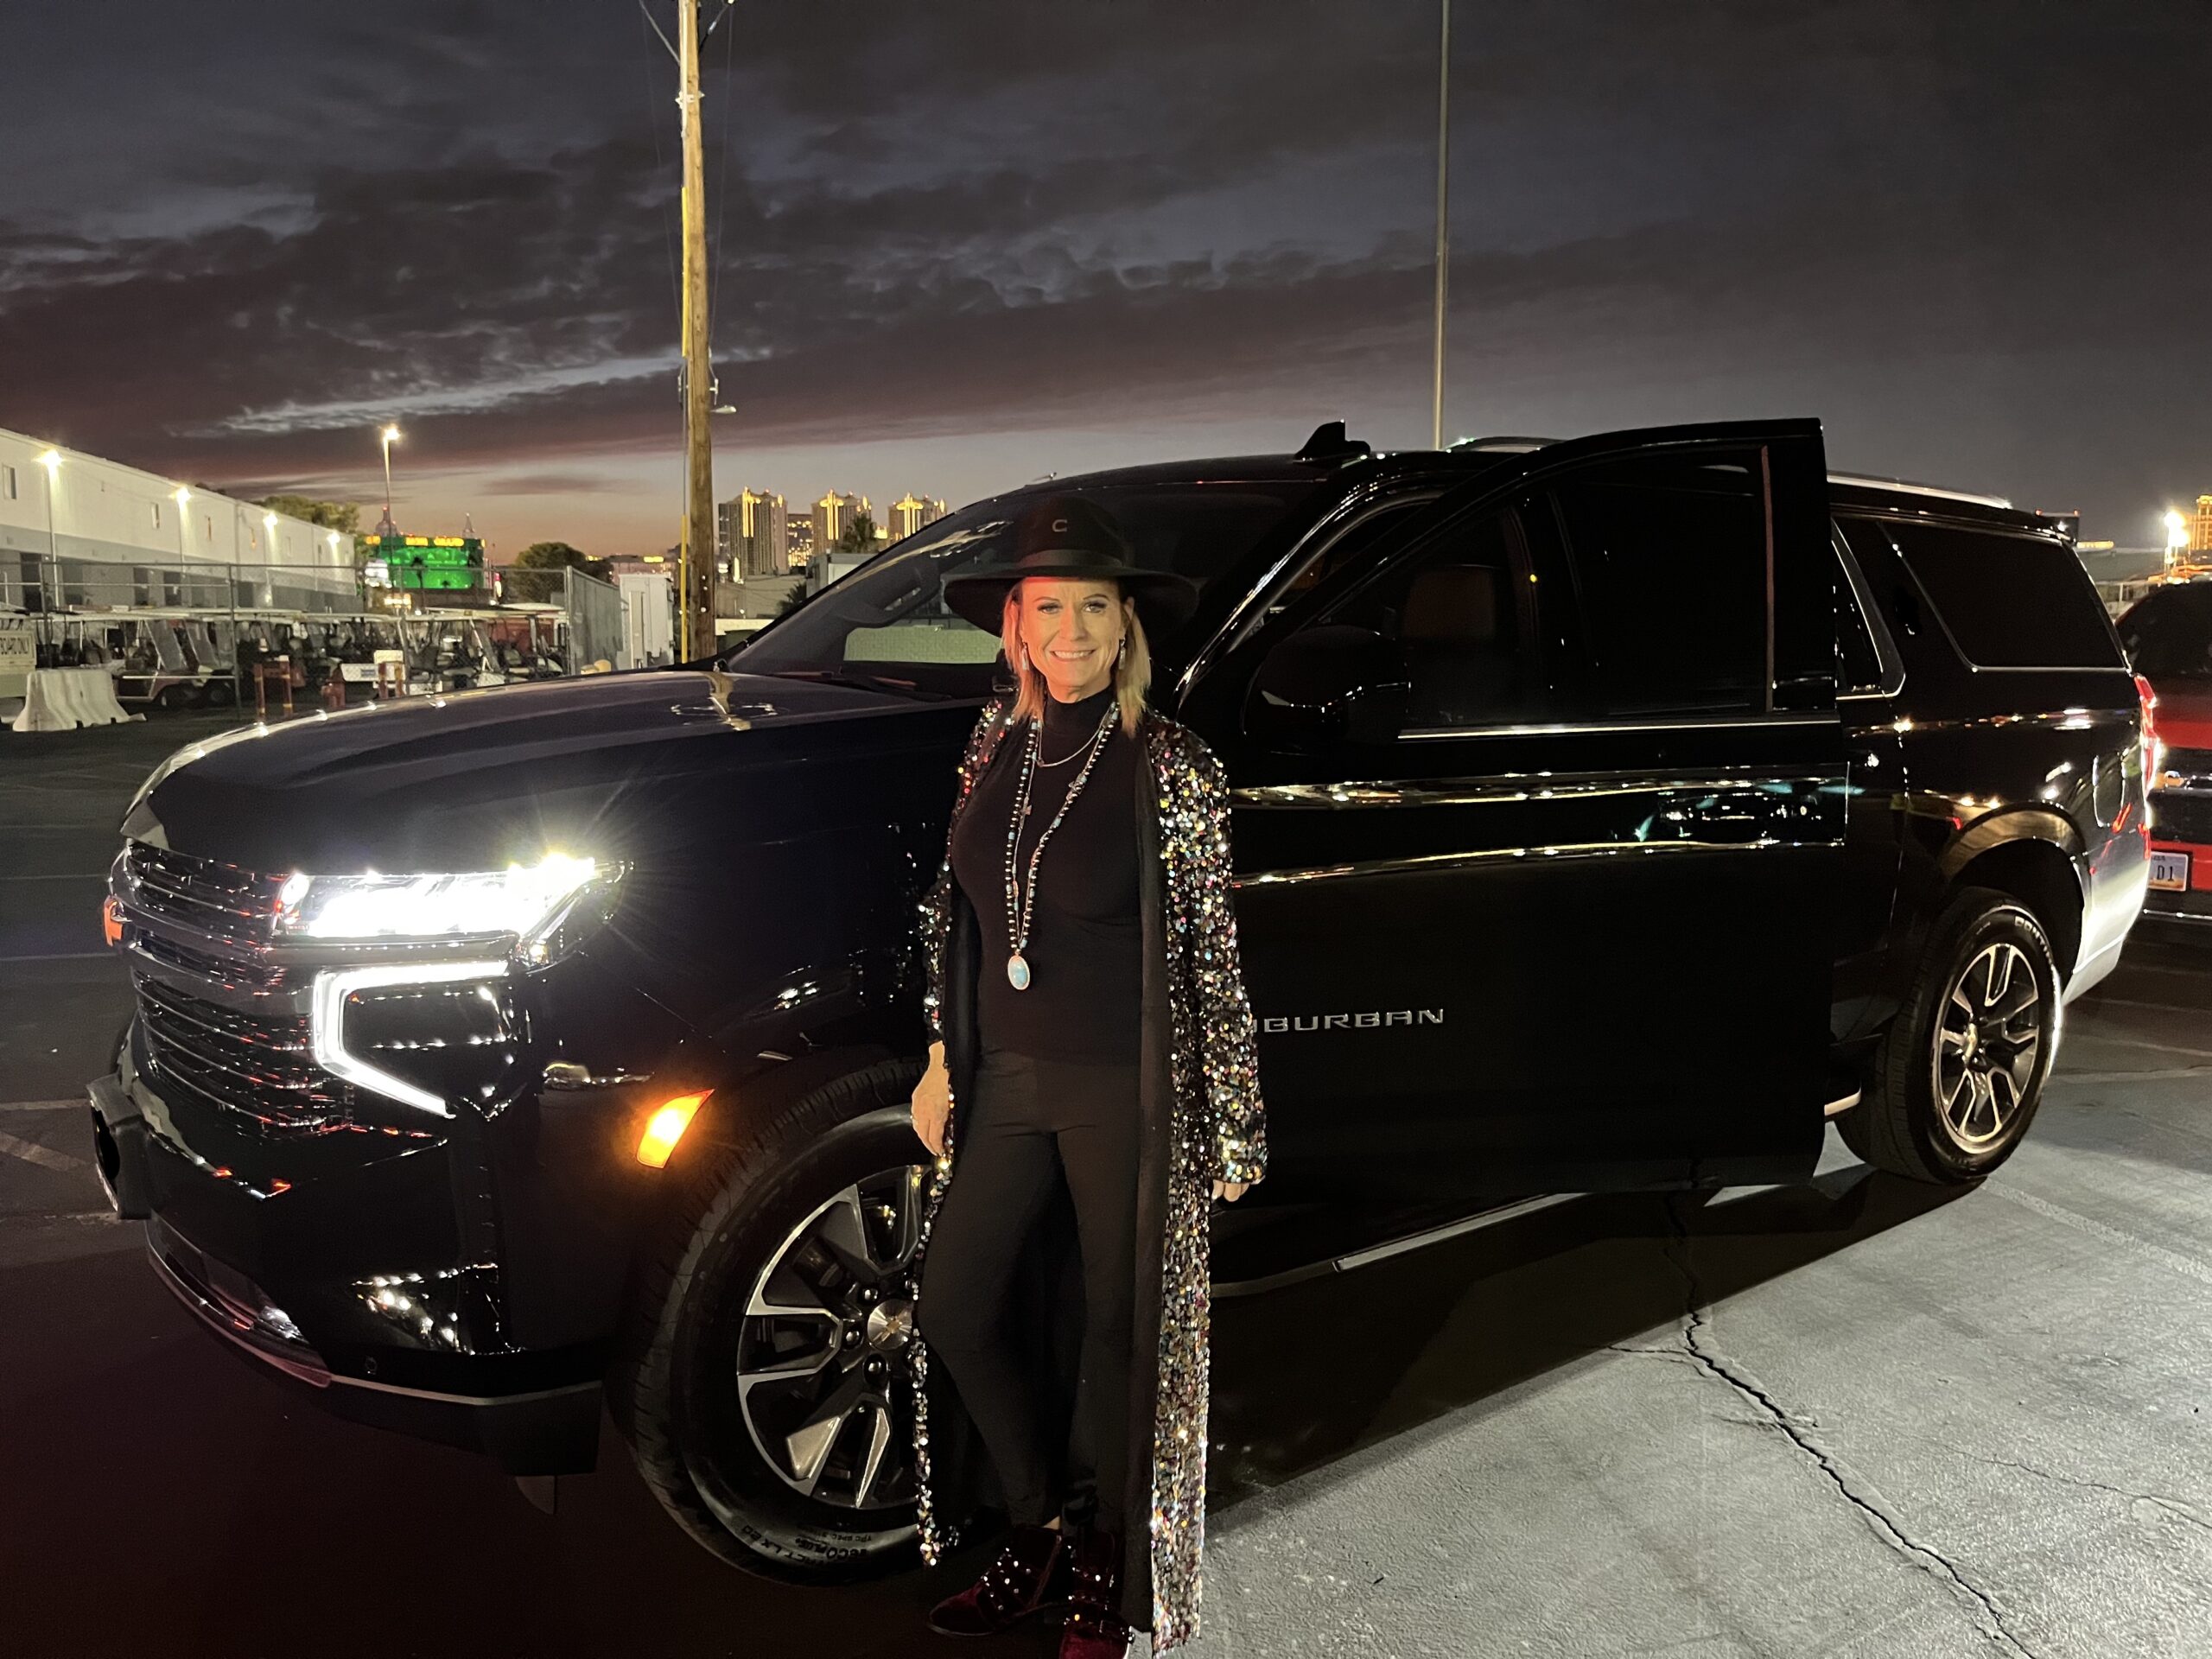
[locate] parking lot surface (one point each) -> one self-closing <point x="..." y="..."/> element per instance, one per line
<point x="1856" y="1418"/>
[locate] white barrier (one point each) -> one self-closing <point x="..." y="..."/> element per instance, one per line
<point x="62" y="699"/>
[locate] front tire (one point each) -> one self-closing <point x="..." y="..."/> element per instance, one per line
<point x="763" y="1390"/>
<point x="1959" y="1074"/>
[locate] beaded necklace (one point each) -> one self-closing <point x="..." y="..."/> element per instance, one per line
<point x="1020" y="901"/>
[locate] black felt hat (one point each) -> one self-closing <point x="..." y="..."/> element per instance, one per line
<point x="1068" y="536"/>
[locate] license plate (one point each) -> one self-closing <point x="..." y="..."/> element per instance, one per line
<point x="2170" y="871"/>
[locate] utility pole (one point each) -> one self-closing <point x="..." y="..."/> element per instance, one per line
<point x="695" y="599"/>
<point x="1443" y="217"/>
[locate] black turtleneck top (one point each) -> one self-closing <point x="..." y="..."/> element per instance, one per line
<point x="1086" y="951"/>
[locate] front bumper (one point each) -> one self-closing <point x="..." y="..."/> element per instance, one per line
<point x="376" y="1323"/>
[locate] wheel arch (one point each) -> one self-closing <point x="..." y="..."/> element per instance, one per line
<point x="2033" y="854"/>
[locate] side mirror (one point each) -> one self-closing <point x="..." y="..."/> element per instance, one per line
<point x="1337" y="683"/>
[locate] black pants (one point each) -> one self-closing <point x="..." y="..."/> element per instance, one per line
<point x="1031" y="1124"/>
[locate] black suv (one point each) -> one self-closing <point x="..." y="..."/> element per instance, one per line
<point x="1608" y="813"/>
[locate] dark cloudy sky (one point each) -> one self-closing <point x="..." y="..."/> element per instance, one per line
<point x="963" y="243"/>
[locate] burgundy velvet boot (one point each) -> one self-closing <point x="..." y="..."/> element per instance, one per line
<point x="1029" y="1576"/>
<point x="1095" y="1629"/>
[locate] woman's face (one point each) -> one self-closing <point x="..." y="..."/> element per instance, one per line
<point x="1072" y="628"/>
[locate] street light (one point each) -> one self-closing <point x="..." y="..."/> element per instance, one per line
<point x="391" y="437"/>
<point x="52" y="461"/>
<point x="183" y="497"/>
<point x="2176" y="536"/>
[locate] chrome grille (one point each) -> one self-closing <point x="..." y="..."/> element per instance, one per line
<point x="246" y="974"/>
<point x="259" y="1066"/>
<point x="220" y="900"/>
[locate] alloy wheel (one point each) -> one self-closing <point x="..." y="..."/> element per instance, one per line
<point x="1987" y="1047"/>
<point x="821" y="1344"/>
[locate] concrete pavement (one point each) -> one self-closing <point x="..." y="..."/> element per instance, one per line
<point x="1858" y="1418"/>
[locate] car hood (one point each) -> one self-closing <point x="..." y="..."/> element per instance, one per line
<point x="477" y="779"/>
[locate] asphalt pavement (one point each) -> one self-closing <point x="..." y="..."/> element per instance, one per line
<point x="1858" y="1418"/>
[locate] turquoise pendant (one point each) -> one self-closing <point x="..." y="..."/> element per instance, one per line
<point x="1017" y="971"/>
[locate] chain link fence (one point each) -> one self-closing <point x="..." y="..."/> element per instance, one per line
<point x="594" y="609"/>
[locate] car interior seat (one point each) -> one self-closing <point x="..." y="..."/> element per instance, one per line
<point x="1460" y="654"/>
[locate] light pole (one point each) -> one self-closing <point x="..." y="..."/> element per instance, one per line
<point x="391" y="437"/>
<point x="2177" y="538"/>
<point x="1443" y="217"/>
<point x="268" y="592"/>
<point x="183" y="497"/>
<point x="52" y="461"/>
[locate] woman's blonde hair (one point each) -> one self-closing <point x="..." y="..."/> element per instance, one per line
<point x="1132" y="675"/>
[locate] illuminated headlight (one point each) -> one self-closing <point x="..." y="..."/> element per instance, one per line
<point x="456" y="1002"/>
<point x="530" y="903"/>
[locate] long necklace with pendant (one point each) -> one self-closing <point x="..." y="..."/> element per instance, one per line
<point x="1020" y="901"/>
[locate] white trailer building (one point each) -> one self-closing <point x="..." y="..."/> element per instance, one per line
<point x="76" y="531"/>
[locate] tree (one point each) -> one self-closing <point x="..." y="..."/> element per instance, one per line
<point x="343" y="517"/>
<point x="793" y="600"/>
<point x="859" y="536"/>
<point x="536" y="577"/>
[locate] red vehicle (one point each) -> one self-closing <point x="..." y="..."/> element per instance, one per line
<point x="2168" y="635"/>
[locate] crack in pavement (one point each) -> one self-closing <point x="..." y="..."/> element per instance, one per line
<point x="2172" y="1506"/>
<point x="1705" y="1353"/>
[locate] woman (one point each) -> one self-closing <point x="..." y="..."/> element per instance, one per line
<point x="1095" y="1064"/>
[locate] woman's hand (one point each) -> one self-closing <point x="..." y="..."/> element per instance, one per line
<point x="1231" y="1191"/>
<point x="933" y="1101"/>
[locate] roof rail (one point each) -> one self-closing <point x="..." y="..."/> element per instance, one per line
<point x="1909" y="488"/>
<point x="1505" y="445"/>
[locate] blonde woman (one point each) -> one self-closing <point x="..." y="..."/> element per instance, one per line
<point x="1092" y="1089"/>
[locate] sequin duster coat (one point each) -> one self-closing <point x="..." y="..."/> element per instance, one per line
<point x="1201" y="1119"/>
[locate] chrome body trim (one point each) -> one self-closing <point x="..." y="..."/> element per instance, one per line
<point x="297" y="1360"/>
<point x="1492" y="854"/>
<point x="567" y="1390"/>
<point x="1566" y="728"/>
<point x="1383" y="1252"/>
<point x="1476" y="791"/>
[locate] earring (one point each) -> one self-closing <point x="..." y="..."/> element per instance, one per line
<point x="1123" y="655"/>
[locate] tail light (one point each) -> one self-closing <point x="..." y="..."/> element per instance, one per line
<point x="2154" y="752"/>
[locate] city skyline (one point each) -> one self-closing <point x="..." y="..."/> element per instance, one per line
<point x="1212" y="233"/>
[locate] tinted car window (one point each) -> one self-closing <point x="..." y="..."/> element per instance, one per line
<point x="1452" y="611"/>
<point x="1345" y="550"/>
<point x="2168" y="635"/>
<point x="2011" y="602"/>
<point x="1668" y="556"/>
<point x="887" y="622"/>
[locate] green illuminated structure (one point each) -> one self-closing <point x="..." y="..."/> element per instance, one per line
<point x="447" y="564"/>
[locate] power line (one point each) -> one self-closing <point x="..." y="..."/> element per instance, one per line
<point x="660" y="163"/>
<point x="721" y="193"/>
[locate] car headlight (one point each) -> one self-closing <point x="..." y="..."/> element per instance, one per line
<point x="541" y="906"/>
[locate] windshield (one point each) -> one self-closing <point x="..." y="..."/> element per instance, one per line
<point x="2168" y="635"/>
<point x="887" y="624"/>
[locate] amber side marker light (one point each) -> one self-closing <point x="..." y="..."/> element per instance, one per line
<point x="666" y="1128"/>
<point x="111" y="921"/>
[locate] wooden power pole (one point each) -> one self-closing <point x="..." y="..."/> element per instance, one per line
<point x="695" y="599"/>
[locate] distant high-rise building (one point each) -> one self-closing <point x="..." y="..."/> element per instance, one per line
<point x="799" y="537"/>
<point x="909" y="512"/>
<point x="751" y="534"/>
<point x="2200" y="528"/>
<point x="833" y="513"/>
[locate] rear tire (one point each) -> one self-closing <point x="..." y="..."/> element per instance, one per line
<point x="1957" y="1077"/>
<point x="782" y="1441"/>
